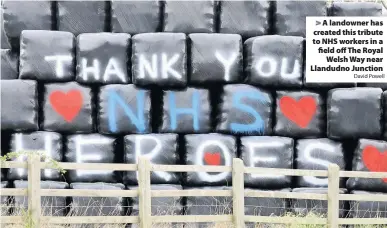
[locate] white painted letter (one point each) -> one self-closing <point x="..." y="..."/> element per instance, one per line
<point x="113" y="69"/>
<point x="94" y="70"/>
<point x="150" y="154"/>
<point x="81" y="158"/>
<point x="199" y="160"/>
<point x="320" y="162"/>
<point x="227" y="63"/>
<point x="59" y="61"/>
<point x="296" y="69"/>
<point x="144" y="65"/>
<point x="272" y="66"/>
<point x="167" y="66"/>
<point x="20" y="147"/>
<point x="256" y="160"/>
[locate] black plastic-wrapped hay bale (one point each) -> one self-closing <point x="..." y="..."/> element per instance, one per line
<point x="159" y="205"/>
<point x="159" y="59"/>
<point x="19" y="105"/>
<point x="92" y="148"/>
<point x="215" y="58"/>
<point x="189" y="16"/>
<point x="367" y="209"/>
<point x="186" y="111"/>
<point x="354" y="113"/>
<point x="302" y="207"/>
<point x="245" y="110"/>
<point x="208" y="205"/>
<point x="124" y="109"/>
<point x="4" y="39"/>
<point x="81" y="16"/>
<point x="358" y="9"/>
<point x="290" y="16"/>
<point x="318" y="154"/>
<point x="136" y="17"/>
<point x="247" y="18"/>
<point x="68" y="107"/>
<point x="51" y="205"/>
<point x="9" y="65"/>
<point x="160" y="149"/>
<point x="103" y="58"/>
<point x="26" y="15"/>
<point x="299" y="114"/>
<point x="369" y="156"/>
<point x="97" y="206"/>
<point x="267" y="152"/>
<point x="209" y="149"/>
<point x="43" y="142"/>
<point x="265" y="206"/>
<point x="274" y="61"/>
<point x="47" y="55"/>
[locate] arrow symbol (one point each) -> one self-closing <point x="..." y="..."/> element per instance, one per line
<point x="318" y="23"/>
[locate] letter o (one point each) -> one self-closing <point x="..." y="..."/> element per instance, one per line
<point x="199" y="160"/>
<point x="271" y="62"/>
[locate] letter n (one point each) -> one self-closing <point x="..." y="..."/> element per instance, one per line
<point x="138" y="121"/>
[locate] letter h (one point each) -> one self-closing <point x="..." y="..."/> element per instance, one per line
<point x="174" y="111"/>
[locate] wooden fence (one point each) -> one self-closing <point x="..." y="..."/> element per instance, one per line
<point x="145" y="194"/>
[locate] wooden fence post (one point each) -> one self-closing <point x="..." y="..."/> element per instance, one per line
<point x="144" y="191"/>
<point x="238" y="193"/>
<point x="333" y="195"/>
<point x="34" y="205"/>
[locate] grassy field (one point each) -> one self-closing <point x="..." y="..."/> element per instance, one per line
<point x="27" y="223"/>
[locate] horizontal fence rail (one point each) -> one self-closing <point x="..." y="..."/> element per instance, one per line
<point x="145" y="194"/>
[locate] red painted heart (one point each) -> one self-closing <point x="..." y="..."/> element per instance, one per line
<point x="67" y="104"/>
<point x="375" y="160"/>
<point x="300" y="112"/>
<point x="212" y="158"/>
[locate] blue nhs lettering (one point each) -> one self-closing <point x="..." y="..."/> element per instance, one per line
<point x="259" y="124"/>
<point x="194" y="110"/>
<point x="115" y="99"/>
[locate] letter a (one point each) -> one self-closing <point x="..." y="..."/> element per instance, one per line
<point x="113" y="69"/>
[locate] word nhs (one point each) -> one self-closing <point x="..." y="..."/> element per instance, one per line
<point x="190" y="108"/>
